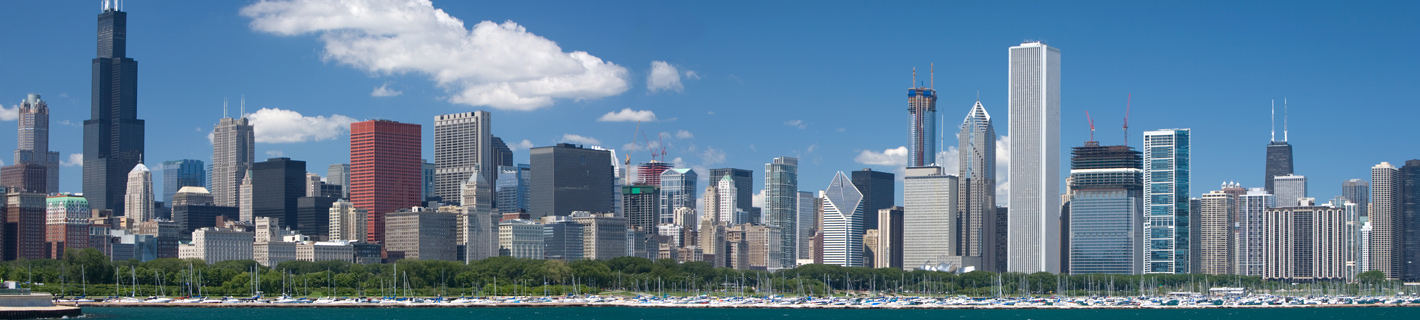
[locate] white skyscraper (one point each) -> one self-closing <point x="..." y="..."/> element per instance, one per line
<point x="463" y="144"/>
<point x="476" y="218"/>
<point x="233" y="152"/>
<point x="929" y="214"/>
<point x="244" y="197"/>
<point x="1290" y="190"/>
<point x="842" y="223"/>
<point x="347" y="222"/>
<point x="138" y="201"/>
<point x="1384" y="216"/>
<point x="728" y="203"/>
<point x="1033" y="224"/>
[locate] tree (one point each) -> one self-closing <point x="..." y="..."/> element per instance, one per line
<point x="1371" y="277"/>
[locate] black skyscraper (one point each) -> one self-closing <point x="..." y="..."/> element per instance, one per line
<point x="567" y="178"/>
<point x="877" y="188"/>
<point x="1407" y="221"/>
<point x="744" y="185"/>
<point x="1279" y="162"/>
<point x="113" y="138"/>
<point x="276" y="185"/>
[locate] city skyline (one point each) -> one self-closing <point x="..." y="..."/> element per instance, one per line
<point x="1090" y="79"/>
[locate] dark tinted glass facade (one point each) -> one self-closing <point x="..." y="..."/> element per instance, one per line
<point x="313" y="216"/>
<point x="877" y="188"/>
<point x="567" y="178"/>
<point x="113" y="136"/>
<point x="1279" y="162"/>
<point x="744" y="185"/>
<point x="276" y="184"/>
<point x="182" y="173"/>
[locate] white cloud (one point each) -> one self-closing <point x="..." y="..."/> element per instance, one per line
<point x="521" y="145"/>
<point x="628" y="115"/>
<point x="949" y="160"/>
<point x="712" y="156"/>
<point x="895" y="157"/>
<point x="796" y="123"/>
<point x="385" y="91"/>
<point x="498" y="65"/>
<point x="286" y="126"/>
<point x="811" y="148"/>
<point x="9" y="114"/>
<point x="74" y="160"/>
<point x="275" y="153"/>
<point x="682" y="134"/>
<point x="690" y="74"/>
<point x="664" y="77"/>
<point x="572" y="138"/>
<point x="1003" y="170"/>
<point x="757" y="200"/>
<point x="679" y="162"/>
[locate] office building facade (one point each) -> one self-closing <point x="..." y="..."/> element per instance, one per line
<point x="567" y="178"/>
<point x="976" y="173"/>
<point x="842" y="223"/>
<point x="878" y="193"/>
<point x="233" y="153"/>
<point x="113" y="136"/>
<point x="463" y="144"/>
<point x="744" y="186"/>
<point x="1166" y="226"/>
<point x="385" y="170"/>
<point x="181" y="173"/>
<point x="1290" y="189"/>
<point x="32" y="146"/>
<point x="276" y="184"/>
<point x="781" y="195"/>
<point x="1106" y="206"/>
<point x="1033" y="237"/>
<point x="678" y="190"/>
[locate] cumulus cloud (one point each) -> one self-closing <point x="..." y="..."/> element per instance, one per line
<point x="498" y="65"/>
<point x="628" y="115"/>
<point x="385" y="91"/>
<point x="757" y="200"/>
<point x="521" y="145"/>
<point x="712" y="156"/>
<point x="275" y="153"/>
<point x="74" y="160"/>
<point x="682" y="134"/>
<point x="273" y="125"/>
<point x="9" y="114"/>
<point x="690" y="74"/>
<point x="796" y="123"/>
<point x="949" y="160"/>
<point x="895" y="157"/>
<point x="572" y="138"/>
<point x="1003" y="170"/>
<point x="665" y="77"/>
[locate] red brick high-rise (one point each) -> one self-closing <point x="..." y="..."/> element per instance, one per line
<point x="385" y="170"/>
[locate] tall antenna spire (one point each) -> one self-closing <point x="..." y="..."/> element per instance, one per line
<point x="244" y="106"/>
<point x="224" y="107"/>
<point x="1284" y="119"/>
<point x="933" y="75"/>
<point x="914" y="77"/>
<point x="1274" y="121"/>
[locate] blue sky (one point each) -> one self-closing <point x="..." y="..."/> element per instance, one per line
<point x="822" y="81"/>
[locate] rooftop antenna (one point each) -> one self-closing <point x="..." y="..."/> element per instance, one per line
<point x="1284" y="119"/>
<point x="933" y="76"/>
<point x="1274" y="121"/>
<point x="1127" y="100"/>
<point x="914" y="76"/>
<point x="224" y="107"/>
<point x="244" y="106"/>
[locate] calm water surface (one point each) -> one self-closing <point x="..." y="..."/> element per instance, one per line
<point x="597" y="313"/>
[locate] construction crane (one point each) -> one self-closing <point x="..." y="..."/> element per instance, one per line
<point x="627" y="164"/>
<point x="1127" y="100"/>
<point x="1092" y="125"/>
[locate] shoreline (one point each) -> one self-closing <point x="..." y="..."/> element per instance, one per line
<point x="702" y="306"/>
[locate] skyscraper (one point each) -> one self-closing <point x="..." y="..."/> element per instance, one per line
<point x="1217" y="212"/>
<point x="744" y="186"/>
<point x="807" y="225"/>
<point x="650" y="173"/>
<point x="1385" y="220"/>
<point x="66" y="224"/>
<point x="641" y="205"/>
<point x="502" y="155"/>
<point x="138" y="200"/>
<point x="182" y="173"/>
<point x="781" y="195"/>
<point x="1034" y="224"/>
<point x="1305" y="243"/>
<point x="1250" y="230"/>
<point x="1167" y="227"/>
<point x="879" y="192"/>
<point x="233" y="153"/>
<point x="33" y="145"/>
<point x="842" y="223"/>
<point x="929" y="217"/>
<point x="426" y="180"/>
<point x="922" y="131"/>
<point x="976" y="194"/>
<point x="1357" y="191"/>
<point x="339" y="174"/>
<point x="244" y="196"/>
<point x="1290" y="189"/>
<point x="347" y="222"/>
<point x="677" y="191"/>
<point x="1407" y="216"/>
<point x="384" y="170"/>
<point x="277" y="184"/>
<point x="567" y="178"/>
<point x="728" y="207"/>
<point x="113" y="137"/>
<point x="1106" y="223"/>
<point x="463" y="143"/>
<point x="513" y="188"/>
<point x="476" y="223"/>
<point x="1279" y="153"/>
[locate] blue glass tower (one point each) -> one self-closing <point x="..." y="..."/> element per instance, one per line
<point x="1166" y="169"/>
<point x="182" y="173"/>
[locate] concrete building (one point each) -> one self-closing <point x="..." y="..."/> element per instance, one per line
<point x="1251" y="209"/>
<point x="1106" y="223"/>
<point x="567" y="178"/>
<point x="214" y="245"/>
<point x="1033" y="243"/>
<point x="712" y="231"/>
<point x="32" y="147"/>
<point x="744" y="187"/>
<point x="463" y="144"/>
<point x="347" y="223"/>
<point x="24" y="234"/>
<point x="1218" y="213"/>
<point x="421" y="235"/>
<point x="1290" y="189"/>
<point x="385" y="171"/>
<point x="843" y="223"/>
<point x="138" y="201"/>
<point x="1386" y="220"/>
<point x="604" y="235"/>
<point x="27" y="177"/>
<point x="929" y="217"/>
<point x="476" y="229"/>
<point x="244" y="198"/>
<point x="316" y="251"/>
<point x="521" y="239"/>
<point x="66" y="224"/>
<point x="1359" y="192"/>
<point x="1305" y="243"/>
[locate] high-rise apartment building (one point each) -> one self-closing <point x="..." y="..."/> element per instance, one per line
<point x="842" y="223"/>
<point x="1218" y="212"/>
<point x="1386" y="221"/>
<point x="976" y="194"/>
<point x="1305" y="243"/>
<point x="878" y="193"/>
<point x="1106" y="206"/>
<point x="385" y="170"/>
<point x="1290" y="189"/>
<point x="567" y="178"/>
<point x="181" y="173"/>
<point x="66" y="224"/>
<point x="233" y="153"/>
<point x="677" y="191"/>
<point x="1251" y="207"/>
<point x="781" y="201"/>
<point x="33" y="144"/>
<point x="929" y="217"/>
<point x="347" y="223"/>
<point x="113" y="136"/>
<point x="922" y="131"/>
<point x="1033" y="238"/>
<point x="24" y="234"/>
<point x="744" y="187"/>
<point x="1166" y="225"/>
<point x="463" y="144"/>
<point x="138" y="200"/>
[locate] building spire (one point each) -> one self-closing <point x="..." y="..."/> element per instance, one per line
<point x="224" y="107"/>
<point x="914" y="77"/>
<point x="933" y="76"/>
<point x="244" y="106"/>
<point x="1284" y="119"/>
<point x="1274" y="121"/>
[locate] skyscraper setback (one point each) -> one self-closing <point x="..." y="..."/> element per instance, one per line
<point x="233" y="153"/>
<point x="113" y="137"/>
<point x="1033" y="239"/>
<point x="976" y="194"/>
<point x="922" y="108"/>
